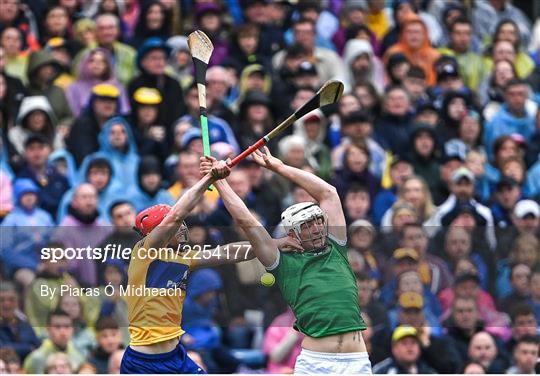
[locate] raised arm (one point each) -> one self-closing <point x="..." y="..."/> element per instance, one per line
<point x="323" y="192"/>
<point x="161" y="235"/>
<point x="263" y="246"/>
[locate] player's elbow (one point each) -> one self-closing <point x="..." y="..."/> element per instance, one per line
<point x="329" y="193"/>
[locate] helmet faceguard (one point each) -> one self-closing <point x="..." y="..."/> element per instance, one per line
<point x="297" y="218"/>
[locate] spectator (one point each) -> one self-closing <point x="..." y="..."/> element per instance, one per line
<point x="491" y="90"/>
<point x="513" y="117"/>
<point x="393" y="126"/>
<point x="83" y="137"/>
<point x="525" y="356"/>
<point x="109" y="340"/>
<point x="471" y="65"/>
<point x="464" y="321"/>
<point x="507" y="194"/>
<point x="483" y="349"/>
<point x="186" y="175"/>
<point x="58" y="363"/>
<point x="328" y="64"/>
<point x="467" y="284"/>
<point x="41" y="71"/>
<point x="97" y="170"/>
<point x="520" y="276"/>
<point x="282" y="343"/>
<point x="255" y="118"/>
<point x="17" y="14"/>
<point x="122" y="214"/>
<point x="355" y="169"/>
<point x="414" y="236"/>
<point x="83" y="338"/>
<point x="96" y="67"/>
<point x="406" y="353"/>
<point x="151" y="62"/>
<point x="154" y="21"/>
<point x="16" y="58"/>
<point x="82" y="228"/>
<point x="313" y="128"/>
<point x="219" y="130"/>
<point x="357" y="203"/>
<point x="117" y="143"/>
<point x="147" y="190"/>
<point x="35" y="116"/>
<point x="15" y="331"/>
<point x="180" y="63"/>
<point x="60" y="331"/>
<point x="24" y="231"/>
<point x="523" y="324"/>
<point x="400" y="170"/>
<point x="362" y="64"/>
<point x="51" y="183"/>
<point x="458" y="245"/>
<point x="508" y="30"/>
<point x="357" y="127"/>
<point x="524" y="251"/>
<point x="414" y="43"/>
<point x="462" y="191"/>
<point x="107" y="37"/>
<point x="415" y="192"/>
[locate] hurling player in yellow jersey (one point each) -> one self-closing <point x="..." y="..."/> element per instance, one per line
<point x="318" y="283"/>
<point x="157" y="277"/>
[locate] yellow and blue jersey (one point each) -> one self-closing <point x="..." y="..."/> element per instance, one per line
<point x="156" y="313"/>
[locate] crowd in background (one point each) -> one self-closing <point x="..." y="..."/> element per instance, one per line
<point x="433" y="148"/>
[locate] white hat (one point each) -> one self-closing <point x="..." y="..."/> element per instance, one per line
<point x="525" y="207"/>
<point x="462" y="173"/>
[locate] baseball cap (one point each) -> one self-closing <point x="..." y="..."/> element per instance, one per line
<point x="447" y="70"/>
<point x="462" y="173"/>
<point x="402" y="253"/>
<point x="106" y="91"/>
<point x="506" y="182"/>
<point x="467" y="276"/>
<point x="36" y="138"/>
<point x="526" y="207"/>
<point x="403" y="331"/>
<point x="411" y="299"/>
<point x="146" y="95"/>
<point x="362" y="223"/>
<point x="306" y="68"/>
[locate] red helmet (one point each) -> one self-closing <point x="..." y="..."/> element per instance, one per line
<point x="150" y="217"/>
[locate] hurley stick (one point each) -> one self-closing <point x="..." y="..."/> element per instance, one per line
<point x="201" y="48"/>
<point x="329" y="93"/>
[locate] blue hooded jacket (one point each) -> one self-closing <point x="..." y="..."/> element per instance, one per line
<point x="125" y="164"/>
<point x="24" y="232"/>
<point x="142" y="199"/>
<point x="196" y="319"/>
<point x="218" y="130"/>
<point x="111" y="192"/>
<point x="63" y="154"/>
<point x="504" y="123"/>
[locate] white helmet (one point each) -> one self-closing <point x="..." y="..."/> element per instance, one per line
<point x="295" y="215"/>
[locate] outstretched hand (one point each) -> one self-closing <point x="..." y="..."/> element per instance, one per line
<point x="218" y="169"/>
<point x="266" y="159"/>
<point x="288" y="244"/>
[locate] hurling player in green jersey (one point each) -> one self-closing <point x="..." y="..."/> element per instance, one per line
<point x="318" y="282"/>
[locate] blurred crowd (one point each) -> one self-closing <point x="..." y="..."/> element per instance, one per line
<point x="434" y="150"/>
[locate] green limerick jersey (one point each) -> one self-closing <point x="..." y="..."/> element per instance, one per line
<point x="321" y="290"/>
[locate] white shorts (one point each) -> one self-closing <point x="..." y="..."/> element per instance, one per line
<point x="312" y="362"/>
